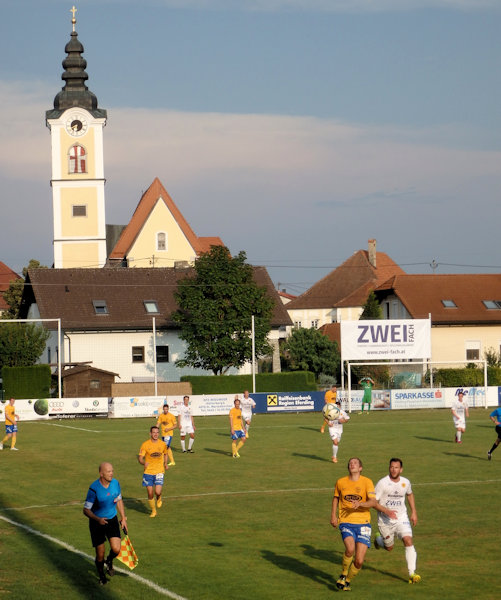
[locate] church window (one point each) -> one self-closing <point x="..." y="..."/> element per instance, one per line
<point x="79" y="210"/>
<point x="77" y="159"/>
<point x="161" y="241"/>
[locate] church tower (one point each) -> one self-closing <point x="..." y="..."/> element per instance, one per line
<point x="76" y="127"/>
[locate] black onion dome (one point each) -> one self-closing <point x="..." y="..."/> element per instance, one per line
<point x="75" y="93"/>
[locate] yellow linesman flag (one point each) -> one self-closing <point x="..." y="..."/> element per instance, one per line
<point x="127" y="554"/>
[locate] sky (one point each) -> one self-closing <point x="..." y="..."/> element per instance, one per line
<point x="295" y="130"/>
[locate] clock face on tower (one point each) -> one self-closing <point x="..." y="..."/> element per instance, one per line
<point x="76" y="125"/>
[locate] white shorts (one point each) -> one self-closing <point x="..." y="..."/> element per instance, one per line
<point x="400" y="528"/>
<point x="186" y="429"/>
<point x="247" y="418"/>
<point x="460" y="423"/>
<point x="335" y="433"/>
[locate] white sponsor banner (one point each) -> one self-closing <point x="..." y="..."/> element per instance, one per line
<point x="419" y="398"/>
<point x="28" y="410"/>
<point x="136" y="406"/>
<point x="151" y="406"/>
<point x="77" y="406"/>
<point x="393" y="339"/>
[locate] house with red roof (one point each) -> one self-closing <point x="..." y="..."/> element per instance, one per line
<point x="342" y="293"/>
<point x="465" y="311"/>
<point x="6" y="276"/>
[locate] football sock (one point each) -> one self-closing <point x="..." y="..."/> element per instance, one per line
<point x="346" y="563"/>
<point x="100" y="567"/>
<point x="170" y="455"/>
<point x="494" y="446"/>
<point x="334" y="450"/>
<point x="183" y="446"/>
<point x="13" y="443"/>
<point x="152" y="505"/>
<point x="411" y="558"/>
<point x="458" y="436"/>
<point x="233" y="448"/>
<point x="380" y="541"/>
<point x="190" y="443"/>
<point x="111" y="556"/>
<point x="240" y="444"/>
<point x="5" y="439"/>
<point x="353" y="572"/>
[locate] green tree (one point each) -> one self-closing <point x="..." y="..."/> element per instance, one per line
<point x="21" y="344"/>
<point x="311" y="350"/>
<point x="492" y="357"/>
<point x="372" y="308"/>
<point x="216" y="304"/>
<point x="13" y="293"/>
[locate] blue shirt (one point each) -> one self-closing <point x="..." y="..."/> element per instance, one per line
<point x="496" y="413"/>
<point x="102" y="501"/>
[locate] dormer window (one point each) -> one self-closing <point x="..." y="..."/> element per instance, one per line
<point x="100" y="307"/>
<point x="492" y="304"/>
<point x="151" y="306"/>
<point x="162" y="241"/>
<point x="77" y="159"/>
<point x="449" y="304"/>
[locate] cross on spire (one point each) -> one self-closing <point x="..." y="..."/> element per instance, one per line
<point x="73" y="10"/>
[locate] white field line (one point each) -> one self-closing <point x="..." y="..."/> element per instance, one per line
<point x="243" y="493"/>
<point x="147" y="582"/>
<point x="71" y="427"/>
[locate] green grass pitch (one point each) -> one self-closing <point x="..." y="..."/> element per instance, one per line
<point x="256" y="527"/>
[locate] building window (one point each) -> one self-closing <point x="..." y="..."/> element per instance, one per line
<point x="77" y="159"/>
<point x="95" y="384"/>
<point x="472" y="350"/>
<point x="314" y="323"/>
<point x="492" y="304"/>
<point x="297" y="324"/>
<point x="137" y="354"/>
<point x="151" y="306"/>
<point x="100" y="307"/>
<point x="79" y="210"/>
<point x="162" y="354"/>
<point x="449" y="304"/>
<point x="161" y="241"/>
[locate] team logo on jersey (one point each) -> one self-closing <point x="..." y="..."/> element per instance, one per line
<point x="272" y="400"/>
<point x="353" y="497"/>
<point x="156" y="454"/>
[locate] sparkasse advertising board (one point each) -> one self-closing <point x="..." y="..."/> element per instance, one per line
<point x="394" y="339"/>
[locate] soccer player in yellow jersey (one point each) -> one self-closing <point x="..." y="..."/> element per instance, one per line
<point x="10" y="425"/>
<point x="330" y="397"/>
<point x="354" y="496"/>
<point x="167" y="423"/>
<point x="237" y="428"/>
<point x="153" y="456"/>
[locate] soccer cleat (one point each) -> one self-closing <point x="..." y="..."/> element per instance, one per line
<point x="103" y="580"/>
<point x="184" y="451"/>
<point x="235" y="456"/>
<point x="347" y="587"/>
<point x="334" y="459"/>
<point x="159" y="502"/>
<point x="171" y="464"/>
<point x="153" y="514"/>
<point x="376" y="545"/>
<point x="341" y="582"/>
<point x="191" y="451"/>
<point x="322" y="429"/>
<point x="489" y="455"/>
<point x="246" y="435"/>
<point x="14" y="448"/>
<point x="109" y="568"/>
<point x="414" y="578"/>
<point x="460" y="441"/>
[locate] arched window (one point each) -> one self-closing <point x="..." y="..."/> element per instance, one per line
<point x="161" y="241"/>
<point x="77" y="159"/>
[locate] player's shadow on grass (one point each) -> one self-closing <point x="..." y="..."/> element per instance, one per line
<point x="137" y="505"/>
<point x="432" y="439"/>
<point x="218" y="451"/>
<point x="311" y="457"/>
<point x="331" y="556"/>
<point x="298" y="567"/>
<point x="464" y="455"/>
<point x="64" y="564"/>
<point x="316" y="429"/>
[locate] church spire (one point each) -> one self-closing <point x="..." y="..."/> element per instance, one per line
<point x="75" y="93"/>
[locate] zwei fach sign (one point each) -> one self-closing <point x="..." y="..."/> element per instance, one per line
<point x="389" y="340"/>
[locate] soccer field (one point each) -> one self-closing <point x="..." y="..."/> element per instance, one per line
<point x="256" y="527"/>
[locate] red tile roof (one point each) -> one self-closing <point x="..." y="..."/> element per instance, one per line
<point x="423" y="294"/>
<point x="349" y="284"/>
<point x="141" y="214"/>
<point x="6" y="276"/>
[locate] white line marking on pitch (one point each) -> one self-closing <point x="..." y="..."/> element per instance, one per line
<point x="241" y="493"/>
<point x="71" y="427"/>
<point x="54" y="540"/>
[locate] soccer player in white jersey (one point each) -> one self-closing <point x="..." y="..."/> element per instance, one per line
<point x="392" y="491"/>
<point x="336" y="430"/>
<point x="247" y="404"/>
<point x="459" y="413"/>
<point x="186" y="424"/>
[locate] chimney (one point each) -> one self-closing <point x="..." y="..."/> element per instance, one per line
<point x="372" y="252"/>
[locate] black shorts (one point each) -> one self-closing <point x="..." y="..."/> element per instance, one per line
<point x="99" y="533"/>
<point x="498" y="431"/>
